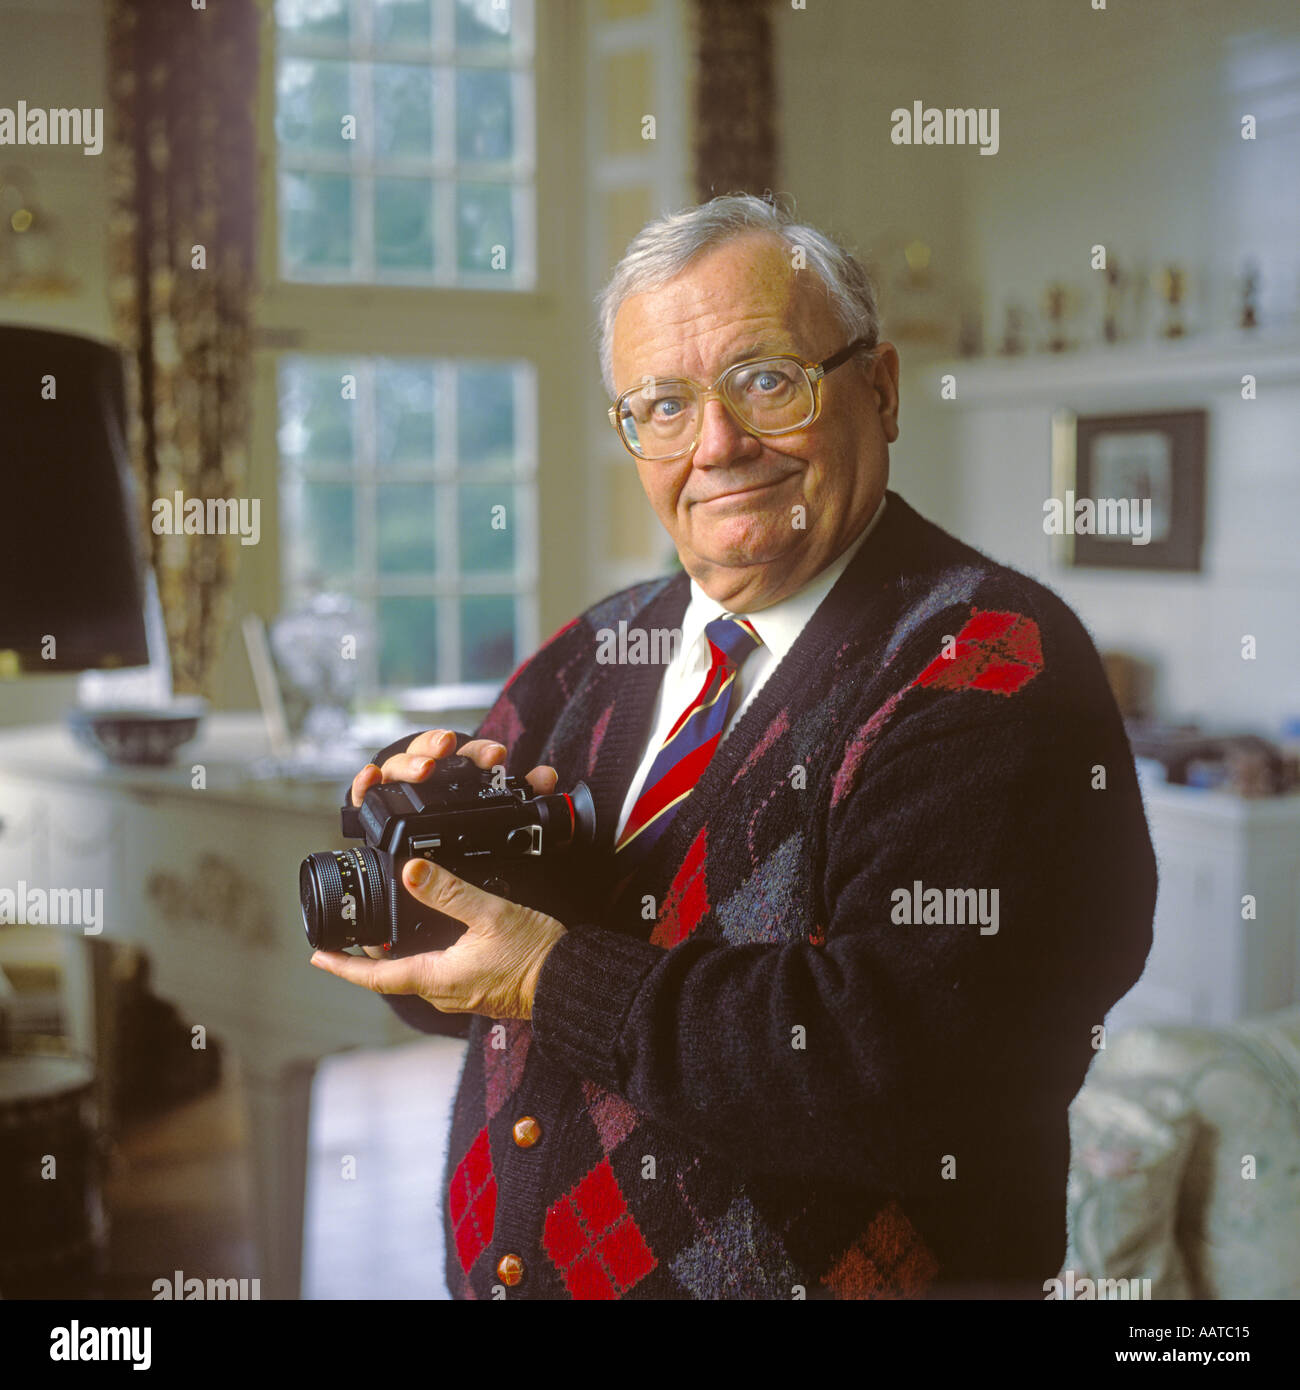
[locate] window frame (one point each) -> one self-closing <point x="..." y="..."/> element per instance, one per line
<point x="394" y="321"/>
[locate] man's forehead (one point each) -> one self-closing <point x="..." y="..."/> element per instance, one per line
<point x="720" y="310"/>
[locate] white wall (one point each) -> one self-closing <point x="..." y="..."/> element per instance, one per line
<point x="1119" y="127"/>
<point x="1123" y="128"/>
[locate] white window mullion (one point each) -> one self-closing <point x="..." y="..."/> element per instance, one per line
<point x="363" y="178"/>
<point x="445" y="505"/>
<point x="367" y="502"/>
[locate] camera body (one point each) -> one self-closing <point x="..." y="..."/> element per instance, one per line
<point x="475" y="822"/>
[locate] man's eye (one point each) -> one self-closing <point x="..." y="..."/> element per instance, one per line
<point x="765" y="381"/>
<point x="667" y="408"/>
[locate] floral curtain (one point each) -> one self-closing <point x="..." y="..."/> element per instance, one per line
<point x="735" y="98"/>
<point x="182" y="237"/>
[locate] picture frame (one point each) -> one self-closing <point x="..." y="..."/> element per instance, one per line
<point x="1128" y="491"/>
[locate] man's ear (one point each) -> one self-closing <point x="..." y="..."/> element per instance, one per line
<point x="883" y="367"/>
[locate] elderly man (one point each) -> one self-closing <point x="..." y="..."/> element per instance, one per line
<point x="871" y="861"/>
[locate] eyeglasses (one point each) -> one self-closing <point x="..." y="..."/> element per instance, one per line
<point x="663" y="417"/>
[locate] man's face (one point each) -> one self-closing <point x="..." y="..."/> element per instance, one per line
<point x="733" y="506"/>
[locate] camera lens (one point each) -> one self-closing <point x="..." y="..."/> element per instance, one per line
<point x="341" y="892"/>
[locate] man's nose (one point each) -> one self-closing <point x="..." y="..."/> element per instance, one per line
<point x="722" y="440"/>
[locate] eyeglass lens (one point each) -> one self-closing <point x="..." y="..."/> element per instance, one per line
<point x="661" y="418"/>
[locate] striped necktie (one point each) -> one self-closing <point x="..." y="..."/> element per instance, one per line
<point x="690" y="743"/>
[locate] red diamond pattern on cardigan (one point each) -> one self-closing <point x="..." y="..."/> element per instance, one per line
<point x="503" y="1067"/>
<point x="888" y="1260"/>
<point x="593" y="1239"/>
<point x="472" y="1200"/>
<point x="613" y="1117"/>
<point x="998" y="652"/>
<point x="687" y="900"/>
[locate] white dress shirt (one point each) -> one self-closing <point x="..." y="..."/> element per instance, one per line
<point x="779" y="626"/>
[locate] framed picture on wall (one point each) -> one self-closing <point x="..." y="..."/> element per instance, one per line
<point x="1128" y="491"/>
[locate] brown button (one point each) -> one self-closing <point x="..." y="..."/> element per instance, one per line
<point x="527" y="1132"/>
<point x="510" y="1269"/>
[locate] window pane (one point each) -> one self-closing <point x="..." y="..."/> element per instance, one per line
<point x="404" y="224"/>
<point x="408" y="641"/>
<point x="403" y="110"/>
<point x="486" y="521"/>
<point x="479" y="231"/>
<point x="485" y="402"/>
<point x="406" y="528"/>
<point x="404" y="423"/>
<point x="317" y="19"/>
<point x="321" y="545"/>
<point x="312" y="97"/>
<point x="484" y="221"/>
<point x="483" y="24"/>
<point x="487" y="637"/>
<point x="315" y="420"/>
<point x="484" y="118"/>
<point x="402" y="21"/>
<point x="316" y="221"/>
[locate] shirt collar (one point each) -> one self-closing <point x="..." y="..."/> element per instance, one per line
<point x="779" y="625"/>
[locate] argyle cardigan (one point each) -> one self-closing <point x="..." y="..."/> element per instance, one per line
<point x="758" y="1073"/>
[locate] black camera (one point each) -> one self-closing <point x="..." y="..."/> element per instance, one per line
<point x="473" y="821"/>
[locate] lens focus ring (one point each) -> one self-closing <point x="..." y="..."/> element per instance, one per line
<point x="339" y="894"/>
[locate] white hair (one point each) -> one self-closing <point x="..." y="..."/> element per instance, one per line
<point x="664" y="248"/>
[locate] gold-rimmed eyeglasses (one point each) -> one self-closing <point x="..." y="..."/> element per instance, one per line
<point x="662" y="417"/>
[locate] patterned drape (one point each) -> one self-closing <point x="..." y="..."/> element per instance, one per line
<point x="182" y="237"/>
<point x="735" y="98"/>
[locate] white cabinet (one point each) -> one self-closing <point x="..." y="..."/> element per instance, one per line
<point x="1221" y="858"/>
<point x="206" y="882"/>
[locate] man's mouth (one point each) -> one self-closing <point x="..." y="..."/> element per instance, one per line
<point x="737" y="494"/>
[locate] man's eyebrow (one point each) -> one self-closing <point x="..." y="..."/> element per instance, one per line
<point x="741" y="354"/>
<point x="763" y="349"/>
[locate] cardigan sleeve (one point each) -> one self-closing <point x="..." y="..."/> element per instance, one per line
<point x="871" y="1056"/>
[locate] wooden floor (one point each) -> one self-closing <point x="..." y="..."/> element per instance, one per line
<point x="178" y="1195"/>
<point x="178" y="1192"/>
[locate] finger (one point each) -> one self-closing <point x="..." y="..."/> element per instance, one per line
<point x="363" y="781"/>
<point x="542" y="780"/>
<point x="443" y="891"/>
<point x="486" y="752"/>
<point x="403" y="767"/>
<point x="433" y="743"/>
<point x="382" y="976"/>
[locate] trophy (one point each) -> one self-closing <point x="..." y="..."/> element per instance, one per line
<point x="1249" y="316"/>
<point x="1171" y="281"/>
<point x="1060" y="303"/>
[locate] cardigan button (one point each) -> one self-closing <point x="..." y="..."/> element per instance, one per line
<point x="510" y="1269"/>
<point x="527" y="1132"/>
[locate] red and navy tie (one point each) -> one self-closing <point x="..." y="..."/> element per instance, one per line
<point x="691" y="742"/>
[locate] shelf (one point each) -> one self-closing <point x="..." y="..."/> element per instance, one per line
<point x="1128" y="370"/>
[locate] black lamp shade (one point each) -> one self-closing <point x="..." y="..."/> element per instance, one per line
<point x="70" y="565"/>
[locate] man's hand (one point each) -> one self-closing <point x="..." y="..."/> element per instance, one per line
<point x="493" y="968"/>
<point x="421" y="757"/>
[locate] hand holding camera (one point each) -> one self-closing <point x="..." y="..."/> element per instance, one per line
<point x="421" y="760"/>
<point x="441" y="832"/>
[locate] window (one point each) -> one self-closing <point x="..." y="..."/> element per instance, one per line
<point x="405" y="136"/>
<point x="409" y="484"/>
<point x="406" y="410"/>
